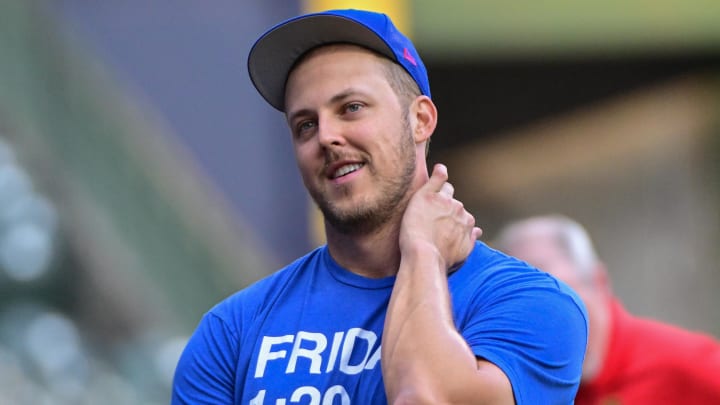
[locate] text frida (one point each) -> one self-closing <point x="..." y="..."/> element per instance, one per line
<point x="320" y="357"/>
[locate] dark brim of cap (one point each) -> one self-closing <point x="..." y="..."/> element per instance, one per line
<point x="274" y="55"/>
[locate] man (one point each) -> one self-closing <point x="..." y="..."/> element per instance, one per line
<point x="402" y="305"/>
<point x="630" y="360"/>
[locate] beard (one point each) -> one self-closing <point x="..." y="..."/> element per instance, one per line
<point x="367" y="216"/>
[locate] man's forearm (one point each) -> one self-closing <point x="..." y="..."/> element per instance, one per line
<point x="424" y="358"/>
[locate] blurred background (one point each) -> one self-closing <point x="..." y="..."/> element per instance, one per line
<point x="142" y="178"/>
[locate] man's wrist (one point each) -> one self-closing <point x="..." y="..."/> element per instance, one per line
<point x="423" y="254"/>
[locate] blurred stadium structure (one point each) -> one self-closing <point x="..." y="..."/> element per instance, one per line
<point x="142" y="179"/>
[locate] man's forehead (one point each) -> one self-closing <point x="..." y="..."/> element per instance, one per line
<point x="356" y="77"/>
<point x="330" y="49"/>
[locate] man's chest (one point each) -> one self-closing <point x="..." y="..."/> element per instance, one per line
<point x="313" y="352"/>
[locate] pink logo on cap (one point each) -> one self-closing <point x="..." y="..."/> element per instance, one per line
<point x="409" y="57"/>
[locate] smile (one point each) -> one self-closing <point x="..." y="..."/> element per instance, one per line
<point x="342" y="171"/>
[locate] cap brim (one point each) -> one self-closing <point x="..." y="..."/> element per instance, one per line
<point x="275" y="53"/>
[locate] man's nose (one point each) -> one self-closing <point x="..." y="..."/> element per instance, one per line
<point x="330" y="132"/>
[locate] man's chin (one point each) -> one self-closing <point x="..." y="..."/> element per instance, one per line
<point x="352" y="222"/>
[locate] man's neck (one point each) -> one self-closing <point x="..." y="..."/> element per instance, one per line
<point x="373" y="255"/>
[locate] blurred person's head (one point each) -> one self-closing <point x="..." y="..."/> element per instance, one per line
<point x="562" y="247"/>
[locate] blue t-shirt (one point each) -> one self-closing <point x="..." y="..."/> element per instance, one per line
<point x="311" y="332"/>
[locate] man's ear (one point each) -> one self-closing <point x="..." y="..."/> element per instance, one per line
<point x="423" y="118"/>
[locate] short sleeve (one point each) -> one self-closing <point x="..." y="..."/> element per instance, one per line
<point x="205" y="373"/>
<point x="535" y="329"/>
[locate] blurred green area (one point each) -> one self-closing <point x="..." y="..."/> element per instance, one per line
<point x="111" y="246"/>
<point x="565" y="28"/>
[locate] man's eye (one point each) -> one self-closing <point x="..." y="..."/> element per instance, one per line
<point x="305" y="126"/>
<point x="353" y="107"/>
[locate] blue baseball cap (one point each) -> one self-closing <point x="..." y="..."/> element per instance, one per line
<point x="275" y="53"/>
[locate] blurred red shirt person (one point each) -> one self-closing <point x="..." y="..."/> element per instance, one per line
<point x="630" y="360"/>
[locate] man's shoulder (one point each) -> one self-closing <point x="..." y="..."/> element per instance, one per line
<point x="260" y="292"/>
<point x="488" y="262"/>
<point x="494" y="275"/>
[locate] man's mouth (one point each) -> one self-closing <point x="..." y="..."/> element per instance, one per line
<point x="346" y="169"/>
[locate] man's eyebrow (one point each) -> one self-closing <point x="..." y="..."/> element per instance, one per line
<point x="299" y="113"/>
<point x="333" y="100"/>
<point x="343" y="95"/>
